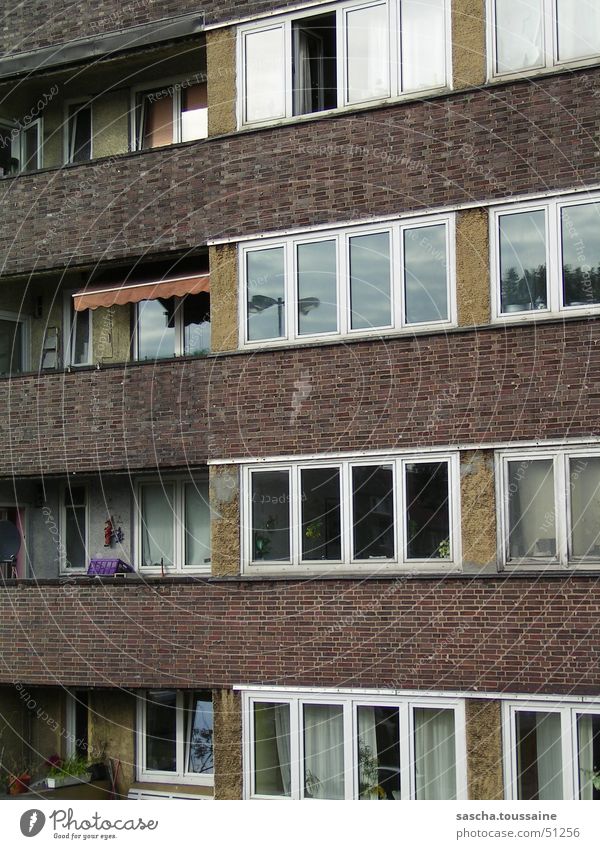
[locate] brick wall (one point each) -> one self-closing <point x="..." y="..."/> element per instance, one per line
<point x="487" y="385"/>
<point x="524" y="634"/>
<point x="492" y="142"/>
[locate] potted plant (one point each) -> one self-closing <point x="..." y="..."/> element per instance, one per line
<point x="74" y="770"/>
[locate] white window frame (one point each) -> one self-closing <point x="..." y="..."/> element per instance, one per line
<point x="73" y="697"/>
<point x="350" y="702"/>
<point x="554" y="258"/>
<point x="568" y="712"/>
<point x="561" y="459"/>
<point x="550" y="46"/>
<point x="175" y="86"/>
<point x="342" y="237"/>
<point x="348" y="564"/>
<point x="69" y="313"/>
<point x="62" y="556"/>
<point x="179" y="565"/>
<point x="19" y="145"/>
<point x="84" y="103"/>
<point x="24" y="321"/>
<point x="181" y="776"/>
<point x="179" y="347"/>
<point x="341" y="10"/>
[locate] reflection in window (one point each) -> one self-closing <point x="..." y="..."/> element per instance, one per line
<point x="532" y="519"/>
<point x="373" y="511"/>
<point x="539" y="755"/>
<point x="428" y="513"/>
<point x="523" y="261"/>
<point x="317" y="287"/>
<point x="425" y="274"/>
<point x="588" y="745"/>
<point x="266" y="294"/>
<point x="199" y="736"/>
<point x="272" y="771"/>
<point x="519" y="35"/>
<point x="370" y="281"/>
<point x="321" y="514"/>
<point x="580" y="226"/>
<point x="156" y="328"/>
<point x="378" y="753"/>
<point x="435" y="754"/>
<point x="154" y="119"/>
<point x="584" y="475"/>
<point x="194" y="112"/>
<point x="270" y="515"/>
<point x="161" y="730"/>
<point x="196" y="324"/>
<point x="197" y="523"/>
<point x="323" y="751"/>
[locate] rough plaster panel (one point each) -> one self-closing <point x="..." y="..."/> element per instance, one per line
<point x="224" y="297"/>
<point x="478" y="509"/>
<point x="111" y="333"/>
<point x="110" y="123"/>
<point x="472" y="267"/>
<point x="468" y="43"/>
<point x="225" y="511"/>
<point x="220" y="58"/>
<point x="13" y="732"/>
<point x="112" y="732"/>
<point x="227" y="744"/>
<point x="484" y="749"/>
<point x="52" y="156"/>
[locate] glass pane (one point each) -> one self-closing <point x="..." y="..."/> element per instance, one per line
<point x="197" y="524"/>
<point x="317" y="288"/>
<point x="75" y="538"/>
<point x="265" y="75"/>
<point x="539" y="755"/>
<point x="373" y="507"/>
<point x="370" y="281"/>
<point x="272" y="773"/>
<point x="314" y="72"/>
<point x="578" y="29"/>
<point x="196" y="324"/>
<point x="11" y="346"/>
<point x="157" y="524"/>
<point x="6" y="137"/>
<point x="519" y="35"/>
<point x="423" y="44"/>
<point x="80" y="337"/>
<point x="378" y="753"/>
<point x="435" y="754"/>
<point x="323" y="751"/>
<point x="156" y="329"/>
<point x="585" y="506"/>
<point x="367" y="34"/>
<point x="80" y="710"/>
<point x="199" y="721"/>
<point x="270" y="516"/>
<point x="532" y="519"/>
<point x="161" y="730"/>
<point x="523" y="261"/>
<point x="427" y="511"/>
<point x="588" y="745"/>
<point x="425" y="274"/>
<point x="581" y="254"/>
<point x="156" y="115"/>
<point x="29" y="148"/>
<point x="266" y="294"/>
<point x="80" y="134"/>
<point x="321" y="518"/>
<point x="194" y="112"/>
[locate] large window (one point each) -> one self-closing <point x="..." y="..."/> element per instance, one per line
<point x="355" y="281"/>
<point x="174" y="525"/>
<point x="347" y="54"/>
<point x="532" y="35"/>
<point x="175" y="737"/>
<point x="383" y="513"/>
<point x="170" y="327"/>
<point x="13" y="343"/>
<point x="551" y="508"/>
<point x="332" y="746"/>
<point x="74" y="529"/>
<point x="552" y="751"/>
<point x="171" y="113"/>
<point x="77" y="334"/>
<point x="78" y="132"/>
<point x="547" y="257"/>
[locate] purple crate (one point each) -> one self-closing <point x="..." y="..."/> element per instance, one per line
<point x="108" y="566"/>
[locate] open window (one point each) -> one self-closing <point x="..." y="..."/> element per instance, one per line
<point x="77" y="334"/>
<point x="175" y="112"/>
<point x="14" y="333"/>
<point x="314" y="72"/>
<point x="78" y="132"/>
<point x="74" y="529"/>
<point x="30" y="147"/>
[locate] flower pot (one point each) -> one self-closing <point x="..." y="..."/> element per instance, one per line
<point x="67" y="780"/>
<point x="19" y="784"/>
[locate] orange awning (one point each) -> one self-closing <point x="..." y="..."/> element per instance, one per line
<point x="131" y="293"/>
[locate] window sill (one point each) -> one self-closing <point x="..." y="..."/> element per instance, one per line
<point x="547" y="70"/>
<point x="364" y="570"/>
<point x="422" y="329"/>
<point x="534" y="316"/>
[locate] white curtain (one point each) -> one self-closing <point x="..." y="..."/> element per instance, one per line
<point x="324" y="751"/>
<point x="423" y="44"/>
<point x="585" y="735"/>
<point x="303" y="81"/>
<point x="519" y="34"/>
<point x="197" y="524"/>
<point x="435" y="760"/>
<point x="368" y="759"/>
<point x="532" y="514"/>
<point x="157" y="525"/>
<point x="549" y="756"/>
<point x="368" y="53"/>
<point x="578" y="29"/>
<point x="585" y="506"/>
<point x="282" y="731"/>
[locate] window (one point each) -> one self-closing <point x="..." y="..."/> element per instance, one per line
<point x="8" y="162"/>
<point x="551" y="508"/>
<point x="552" y="751"/>
<point x="175" y="112"/>
<point x="351" y="53"/>
<point x="175" y="737"/>
<point x="77" y="738"/>
<point x="174" y="525"/>
<point x="356" y="281"/>
<point x="547" y="258"/>
<point x="333" y="746"/>
<point x="531" y="35"/>
<point x="77" y="333"/>
<point x="78" y="138"/>
<point x="170" y="327"/>
<point x="383" y="513"/>
<point x="30" y="147"/>
<point x="13" y="343"/>
<point x="74" y="540"/>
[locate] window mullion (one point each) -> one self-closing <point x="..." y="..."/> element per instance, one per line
<point x="400" y="511"/>
<point x="397" y="275"/>
<point x="295" y="512"/>
<point x="569" y="755"/>
<point x="554" y="257"/>
<point x="349" y="751"/>
<point x="287" y="50"/>
<point x="550" y="16"/>
<point x="406" y="752"/>
<point x="562" y="501"/>
<point x="341" y="56"/>
<point x="180" y="734"/>
<point x="296" y="749"/>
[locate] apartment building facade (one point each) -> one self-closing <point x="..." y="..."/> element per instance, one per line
<point x="299" y="308"/>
